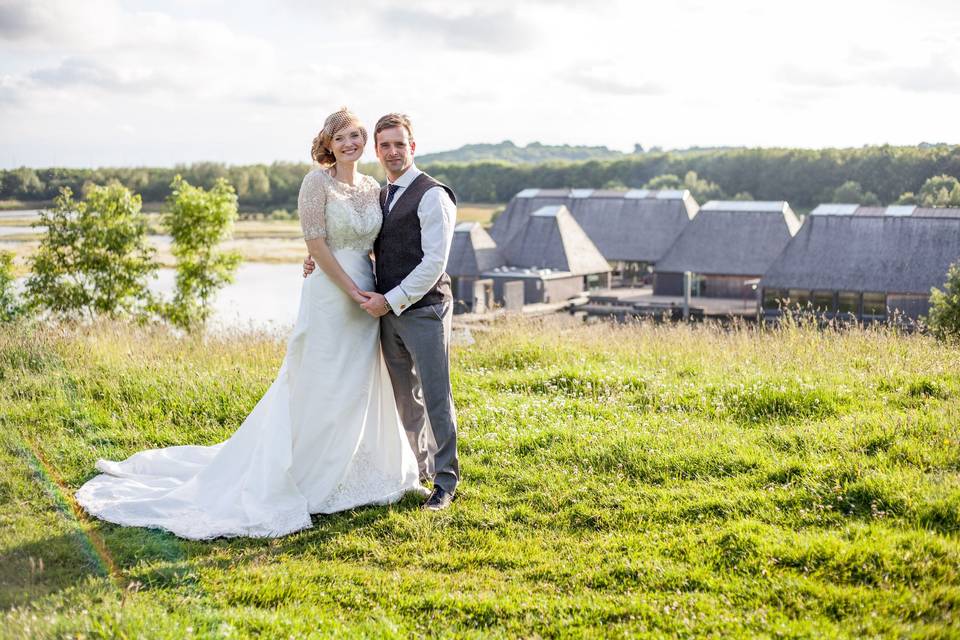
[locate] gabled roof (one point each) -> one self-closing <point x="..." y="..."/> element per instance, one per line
<point x="732" y="238"/>
<point x="551" y="238"/>
<point x="473" y="251"/>
<point x="890" y="254"/>
<point x="635" y="225"/>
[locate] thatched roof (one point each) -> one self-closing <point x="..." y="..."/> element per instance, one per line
<point x="893" y="254"/>
<point x="844" y="209"/>
<point x="552" y="239"/>
<point x="732" y="238"/>
<point x="473" y="251"/>
<point x="637" y="225"/>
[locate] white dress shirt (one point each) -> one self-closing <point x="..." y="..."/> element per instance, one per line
<point x="438" y="216"/>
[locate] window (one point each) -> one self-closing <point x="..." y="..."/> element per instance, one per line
<point x="848" y="302"/>
<point x="798" y="297"/>
<point x="772" y="298"/>
<point x="875" y="304"/>
<point x="823" y="300"/>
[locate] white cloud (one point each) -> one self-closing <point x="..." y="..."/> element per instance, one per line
<point x="477" y="29"/>
<point x="244" y="81"/>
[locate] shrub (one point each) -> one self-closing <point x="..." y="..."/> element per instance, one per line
<point x="944" y="318"/>
<point x="10" y="307"/>
<point x="198" y="221"/>
<point x="95" y="258"/>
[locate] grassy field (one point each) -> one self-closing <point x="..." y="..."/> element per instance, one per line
<point x="618" y="482"/>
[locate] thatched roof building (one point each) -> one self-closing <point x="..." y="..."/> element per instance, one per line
<point x="884" y="254"/>
<point x="548" y="259"/>
<point x="633" y="226"/>
<point x="550" y="238"/>
<point x="473" y="251"/>
<point x="732" y="238"/>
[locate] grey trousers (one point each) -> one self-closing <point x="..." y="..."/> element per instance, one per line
<point x="416" y="348"/>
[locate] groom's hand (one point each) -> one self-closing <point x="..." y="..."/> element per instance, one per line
<point x="308" y="266"/>
<point x="376" y="304"/>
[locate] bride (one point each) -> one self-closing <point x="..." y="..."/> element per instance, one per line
<point x="326" y="435"/>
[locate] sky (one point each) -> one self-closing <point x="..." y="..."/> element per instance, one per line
<point x="107" y="83"/>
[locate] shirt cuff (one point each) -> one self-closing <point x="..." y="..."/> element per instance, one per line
<point x="398" y="299"/>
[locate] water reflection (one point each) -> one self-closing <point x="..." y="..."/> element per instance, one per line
<point x="16" y="230"/>
<point x="26" y="214"/>
<point x="263" y="296"/>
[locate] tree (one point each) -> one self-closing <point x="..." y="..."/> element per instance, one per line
<point x="95" y="258"/>
<point x="22" y="183"/>
<point x="198" y="220"/>
<point x="743" y="195"/>
<point x="852" y="192"/>
<point x="667" y="181"/>
<point x="944" y="316"/>
<point x="907" y="197"/>
<point x="940" y="191"/>
<point x="10" y="306"/>
<point x="701" y="189"/>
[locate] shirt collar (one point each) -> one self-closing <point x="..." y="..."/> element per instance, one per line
<point x="408" y="177"/>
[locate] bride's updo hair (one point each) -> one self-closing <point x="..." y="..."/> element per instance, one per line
<point x="320" y="152"/>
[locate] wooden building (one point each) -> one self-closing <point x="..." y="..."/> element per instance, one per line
<point x="473" y="252"/>
<point x="726" y="246"/>
<point x="632" y="229"/>
<point x="864" y="264"/>
<point x="549" y="254"/>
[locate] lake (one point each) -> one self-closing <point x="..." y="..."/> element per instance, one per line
<point x="263" y="296"/>
<point x="16" y="230"/>
<point x="26" y="214"/>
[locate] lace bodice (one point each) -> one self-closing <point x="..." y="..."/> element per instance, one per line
<point x="348" y="217"/>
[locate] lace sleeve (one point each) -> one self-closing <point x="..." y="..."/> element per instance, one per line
<point x="311" y="204"/>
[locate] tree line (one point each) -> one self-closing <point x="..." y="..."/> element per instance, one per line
<point x="804" y="177"/>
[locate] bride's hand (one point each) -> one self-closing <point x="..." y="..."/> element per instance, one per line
<point x="358" y="297"/>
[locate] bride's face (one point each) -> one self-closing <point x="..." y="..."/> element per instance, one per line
<point x="347" y="144"/>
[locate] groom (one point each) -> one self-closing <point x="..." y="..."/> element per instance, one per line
<point x="414" y="303"/>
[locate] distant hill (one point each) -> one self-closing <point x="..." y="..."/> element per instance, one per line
<point x="536" y="153"/>
<point x="533" y="153"/>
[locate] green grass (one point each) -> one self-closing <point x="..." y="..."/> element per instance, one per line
<point x="655" y="481"/>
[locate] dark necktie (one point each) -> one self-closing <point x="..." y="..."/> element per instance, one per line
<point x="392" y="191"/>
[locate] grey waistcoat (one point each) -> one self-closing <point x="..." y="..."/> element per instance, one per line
<point x="398" y="249"/>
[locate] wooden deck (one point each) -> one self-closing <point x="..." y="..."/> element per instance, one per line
<point x="640" y="302"/>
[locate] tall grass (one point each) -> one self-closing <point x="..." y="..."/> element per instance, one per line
<point x="619" y="481"/>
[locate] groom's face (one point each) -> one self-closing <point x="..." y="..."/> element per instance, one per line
<point x="395" y="150"/>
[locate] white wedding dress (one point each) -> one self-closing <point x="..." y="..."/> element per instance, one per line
<point x="326" y="435"/>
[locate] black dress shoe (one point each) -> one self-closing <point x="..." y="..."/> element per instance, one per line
<point x="439" y="499"/>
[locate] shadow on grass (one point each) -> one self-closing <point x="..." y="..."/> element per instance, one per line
<point x="46" y="566"/>
<point x="156" y="559"/>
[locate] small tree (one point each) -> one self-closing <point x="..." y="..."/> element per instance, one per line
<point x="664" y="181"/>
<point x="944" y="316"/>
<point x="700" y="188"/>
<point x="907" y="197"/>
<point x="852" y="191"/>
<point x="198" y="220"/>
<point x="10" y="306"/>
<point x="940" y="191"/>
<point x="95" y="258"/>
